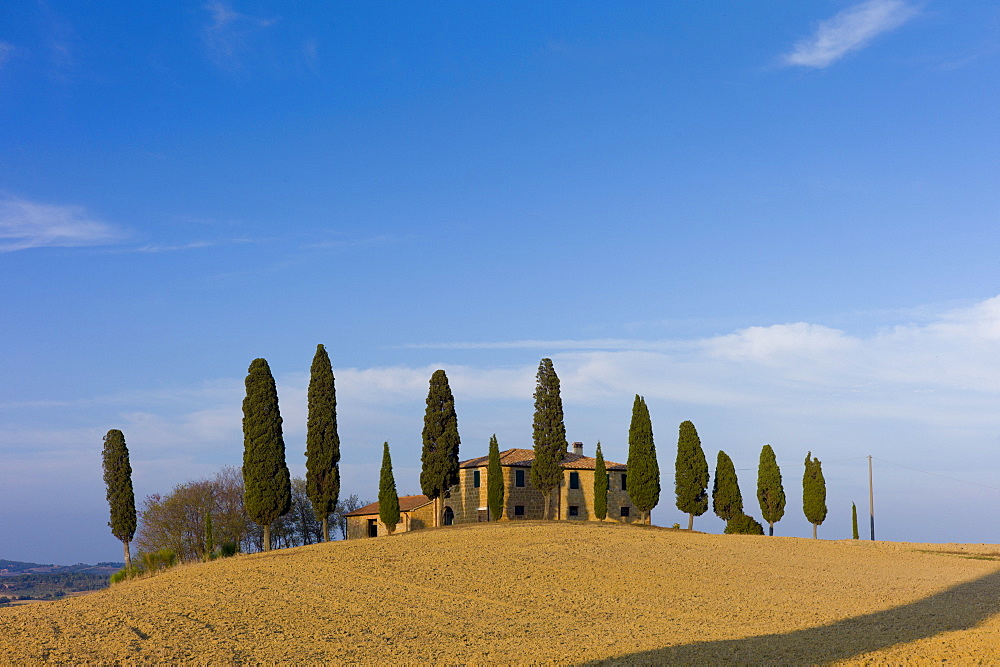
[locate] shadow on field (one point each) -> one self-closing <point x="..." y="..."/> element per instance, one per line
<point x="959" y="608"/>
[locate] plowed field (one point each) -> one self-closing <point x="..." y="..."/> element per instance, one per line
<point x="539" y="592"/>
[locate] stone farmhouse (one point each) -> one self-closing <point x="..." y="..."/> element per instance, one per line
<point x="466" y="501"/>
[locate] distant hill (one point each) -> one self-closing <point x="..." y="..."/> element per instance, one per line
<point x="538" y="592"/>
<point x="13" y="568"/>
<point x="35" y="581"/>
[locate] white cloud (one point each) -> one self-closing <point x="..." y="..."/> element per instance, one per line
<point x="25" y="224"/>
<point x="850" y="30"/>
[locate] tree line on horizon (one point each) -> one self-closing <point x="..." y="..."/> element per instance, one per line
<point x="268" y="493"/>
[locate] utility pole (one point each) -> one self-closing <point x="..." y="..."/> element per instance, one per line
<point x="871" y="497"/>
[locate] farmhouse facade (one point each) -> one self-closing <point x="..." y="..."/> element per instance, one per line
<point x="414" y="512"/>
<point x="467" y="500"/>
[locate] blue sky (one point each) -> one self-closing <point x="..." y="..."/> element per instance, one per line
<point x="777" y="220"/>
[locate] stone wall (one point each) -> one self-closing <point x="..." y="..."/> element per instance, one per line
<point x="583" y="498"/>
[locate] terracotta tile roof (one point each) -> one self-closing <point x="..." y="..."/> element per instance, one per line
<point x="406" y="504"/>
<point x="522" y="458"/>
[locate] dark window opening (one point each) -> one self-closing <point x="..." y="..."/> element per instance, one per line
<point x="624" y="482"/>
<point x="624" y="513"/>
<point x="574" y="480"/>
<point x="372" y="528"/>
<point x="574" y="510"/>
<point x="518" y="510"/>
<point x="519" y="479"/>
<point x="475" y="478"/>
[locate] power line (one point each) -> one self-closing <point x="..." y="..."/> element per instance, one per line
<point x="927" y="472"/>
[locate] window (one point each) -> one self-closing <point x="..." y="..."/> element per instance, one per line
<point x="475" y="478"/>
<point x="624" y="480"/>
<point x="519" y="480"/>
<point x="519" y="509"/>
<point x="574" y="480"/>
<point x="574" y="510"/>
<point x="624" y="511"/>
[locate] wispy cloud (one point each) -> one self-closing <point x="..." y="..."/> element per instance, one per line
<point x="5" y="51"/>
<point x="539" y="344"/>
<point x="228" y="34"/>
<point x="26" y="224"/>
<point x="850" y="30"/>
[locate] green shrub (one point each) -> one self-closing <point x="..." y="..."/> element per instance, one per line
<point x="160" y="559"/>
<point x="743" y="525"/>
<point x="228" y="549"/>
<point x="123" y="574"/>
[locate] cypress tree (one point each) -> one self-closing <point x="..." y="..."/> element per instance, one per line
<point x="388" y="500"/>
<point x="121" y="497"/>
<point x="548" y="433"/>
<point x="854" y="521"/>
<point x="494" y="481"/>
<point x="600" y="486"/>
<point x="267" y="487"/>
<point x="814" y="492"/>
<point x="209" y="536"/>
<point x="439" y="458"/>
<point x="691" y="474"/>
<point x="322" y="441"/>
<point x="770" y="492"/>
<point x="727" y="501"/>
<point x="643" y="470"/>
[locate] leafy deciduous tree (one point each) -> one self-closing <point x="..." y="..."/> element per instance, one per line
<point x="322" y="441"/>
<point x="727" y="501"/>
<point x="177" y="521"/>
<point x="548" y="434"/>
<point x="267" y="484"/>
<point x="691" y="474"/>
<point x="494" y="481"/>
<point x="121" y="497"/>
<point x="439" y="458"/>
<point x="770" y="492"/>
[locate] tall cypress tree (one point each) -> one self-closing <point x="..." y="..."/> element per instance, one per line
<point x="388" y="500"/>
<point x="770" y="492"/>
<point x="439" y="459"/>
<point x="814" y="492"/>
<point x="121" y="498"/>
<point x="267" y="487"/>
<point x="322" y="441"/>
<point x="600" y="486"/>
<point x="548" y="433"/>
<point x="727" y="501"/>
<point x="209" y="535"/>
<point x="494" y="481"/>
<point x="854" y="521"/>
<point x="643" y="470"/>
<point x="691" y="474"/>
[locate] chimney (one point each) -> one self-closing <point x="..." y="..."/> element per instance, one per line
<point x="578" y="448"/>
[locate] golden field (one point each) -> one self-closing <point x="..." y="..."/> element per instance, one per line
<point x="535" y="592"/>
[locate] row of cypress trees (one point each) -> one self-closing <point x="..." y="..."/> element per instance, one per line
<point x="267" y="483"/>
<point x="727" y="501"/>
